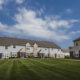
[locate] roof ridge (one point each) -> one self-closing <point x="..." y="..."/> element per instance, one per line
<point x="25" y="39"/>
<point x="20" y="41"/>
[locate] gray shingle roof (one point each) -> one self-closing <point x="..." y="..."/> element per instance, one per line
<point x="16" y="41"/>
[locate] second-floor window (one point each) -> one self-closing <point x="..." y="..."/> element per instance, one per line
<point x="6" y="47"/>
<point x="76" y="44"/>
<point x="28" y="48"/>
<point x="14" y="46"/>
<point x="45" y="48"/>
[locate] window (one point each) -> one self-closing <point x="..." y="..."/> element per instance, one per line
<point x="28" y="48"/>
<point x="15" y="55"/>
<point x="35" y="48"/>
<point x="6" y="56"/>
<point x="76" y="55"/>
<point x="46" y="49"/>
<point x="6" y="47"/>
<point x="14" y="46"/>
<point x="58" y="49"/>
<point x="52" y="48"/>
<point x="76" y="44"/>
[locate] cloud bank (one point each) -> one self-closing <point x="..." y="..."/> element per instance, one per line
<point x="29" y="23"/>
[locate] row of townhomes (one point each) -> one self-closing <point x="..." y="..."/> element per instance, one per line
<point x="75" y="50"/>
<point x="22" y="48"/>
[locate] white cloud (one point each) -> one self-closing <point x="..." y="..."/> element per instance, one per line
<point x="28" y="24"/>
<point x="40" y="11"/>
<point x="74" y="21"/>
<point x="61" y="23"/>
<point x="19" y="1"/>
<point x="2" y="26"/>
<point x="1" y="3"/>
<point x="74" y="32"/>
<point x="69" y="11"/>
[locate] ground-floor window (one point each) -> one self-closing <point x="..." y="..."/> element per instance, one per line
<point x="27" y="55"/>
<point x="55" y="55"/>
<point x="6" y="55"/>
<point x="14" y="54"/>
<point x="76" y="55"/>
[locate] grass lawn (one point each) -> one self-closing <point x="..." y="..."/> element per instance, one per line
<point x="39" y="69"/>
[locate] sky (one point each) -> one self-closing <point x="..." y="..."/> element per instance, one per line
<point x="45" y="20"/>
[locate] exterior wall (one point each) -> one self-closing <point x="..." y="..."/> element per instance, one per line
<point x="52" y="52"/>
<point x="6" y="52"/>
<point x="76" y="49"/>
<point x="29" y="49"/>
<point x="67" y="54"/>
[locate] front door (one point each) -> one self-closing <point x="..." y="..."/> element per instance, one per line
<point x="55" y="55"/>
<point x="71" y="54"/>
<point x="0" y="55"/>
<point x="22" y="55"/>
<point x="79" y="54"/>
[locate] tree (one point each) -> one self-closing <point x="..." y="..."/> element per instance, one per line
<point x="70" y="47"/>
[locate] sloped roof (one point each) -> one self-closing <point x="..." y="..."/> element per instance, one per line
<point x="16" y="41"/>
<point x="65" y="50"/>
<point x="78" y="39"/>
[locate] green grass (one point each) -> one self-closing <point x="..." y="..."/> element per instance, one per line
<point x="39" y="69"/>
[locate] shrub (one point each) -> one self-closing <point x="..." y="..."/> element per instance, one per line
<point x="45" y="57"/>
<point x="67" y="57"/>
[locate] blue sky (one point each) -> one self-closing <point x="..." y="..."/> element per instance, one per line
<point x="49" y="20"/>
